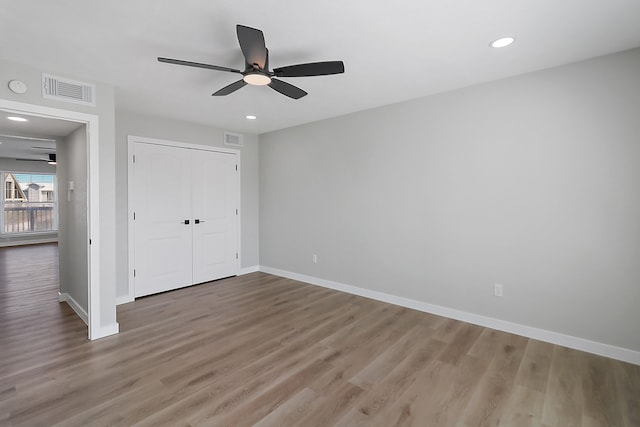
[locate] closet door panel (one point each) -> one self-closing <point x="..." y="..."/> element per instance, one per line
<point x="215" y="203"/>
<point x="163" y="243"/>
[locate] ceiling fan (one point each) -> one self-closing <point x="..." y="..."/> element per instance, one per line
<point x="256" y="70"/>
<point x="50" y="160"/>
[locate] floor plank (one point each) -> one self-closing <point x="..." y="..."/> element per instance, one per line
<point x="268" y="351"/>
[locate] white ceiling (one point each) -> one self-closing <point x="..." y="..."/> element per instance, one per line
<point x="34" y="139"/>
<point x="36" y="126"/>
<point x="393" y="51"/>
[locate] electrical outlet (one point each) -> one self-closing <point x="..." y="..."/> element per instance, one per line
<point x="315" y="258"/>
<point x="497" y="290"/>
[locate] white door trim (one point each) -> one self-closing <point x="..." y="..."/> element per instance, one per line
<point x="93" y="201"/>
<point x="131" y="141"/>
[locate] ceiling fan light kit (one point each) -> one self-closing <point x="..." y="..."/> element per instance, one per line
<point x="257" y="79"/>
<point x="256" y="72"/>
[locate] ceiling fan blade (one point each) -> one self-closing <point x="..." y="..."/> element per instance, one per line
<point x="198" y="65"/>
<point x="230" y="88"/>
<point x="310" y="69"/>
<point x="252" y="44"/>
<point x="287" y="89"/>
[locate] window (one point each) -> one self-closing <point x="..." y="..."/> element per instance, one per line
<point x="29" y="203"/>
<point x="47" y="196"/>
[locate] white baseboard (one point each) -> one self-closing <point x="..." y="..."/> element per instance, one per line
<point x="105" y="331"/>
<point x="618" y="353"/>
<point x="248" y="270"/>
<point x="81" y="312"/>
<point x="124" y="299"/>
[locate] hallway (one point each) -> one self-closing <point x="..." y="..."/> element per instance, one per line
<point x="32" y="321"/>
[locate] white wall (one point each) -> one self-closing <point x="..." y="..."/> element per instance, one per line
<point x="105" y="111"/>
<point x="128" y="123"/>
<point x="532" y="182"/>
<point x="72" y="207"/>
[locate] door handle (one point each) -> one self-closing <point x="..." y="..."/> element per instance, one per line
<point x="186" y="222"/>
<point x="197" y="221"/>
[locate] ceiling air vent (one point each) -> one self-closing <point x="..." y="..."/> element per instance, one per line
<point x="234" y="139"/>
<point x="61" y="89"/>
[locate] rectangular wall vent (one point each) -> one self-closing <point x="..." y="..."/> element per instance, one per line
<point x="61" y="89"/>
<point x="234" y="139"/>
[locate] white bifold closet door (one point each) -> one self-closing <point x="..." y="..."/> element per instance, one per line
<point x="186" y="217"/>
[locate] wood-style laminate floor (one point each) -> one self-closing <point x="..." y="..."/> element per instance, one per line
<point x="266" y="351"/>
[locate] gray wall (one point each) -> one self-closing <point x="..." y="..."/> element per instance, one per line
<point x="154" y="127"/>
<point x="105" y="111"/>
<point x="532" y="182"/>
<point x="72" y="208"/>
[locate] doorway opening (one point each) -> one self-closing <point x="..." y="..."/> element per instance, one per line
<point x="77" y="195"/>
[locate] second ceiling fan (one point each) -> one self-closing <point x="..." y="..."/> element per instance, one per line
<point x="256" y="70"/>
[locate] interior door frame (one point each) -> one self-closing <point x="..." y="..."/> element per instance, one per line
<point x="93" y="199"/>
<point x="131" y="141"/>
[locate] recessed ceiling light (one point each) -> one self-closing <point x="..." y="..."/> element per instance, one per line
<point x="251" y="117"/>
<point x="502" y="42"/>
<point x="17" y="119"/>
